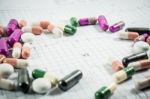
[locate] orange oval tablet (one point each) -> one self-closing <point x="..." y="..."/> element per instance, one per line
<point x="22" y="23"/>
<point x="44" y="24"/>
<point x="50" y="27"/>
<point x="37" y="30"/>
<point x="11" y="61"/>
<point x="2" y="57"/>
<point x="117" y="65"/>
<point x="25" y="51"/>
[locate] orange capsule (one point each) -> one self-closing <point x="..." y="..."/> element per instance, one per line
<point x="22" y="23"/>
<point x="2" y="57"/>
<point x="17" y="63"/>
<point x="2" y="31"/>
<point x="44" y="24"/>
<point x="148" y="40"/>
<point x="16" y="52"/>
<point x="37" y="30"/>
<point x="25" y="50"/>
<point x="117" y="65"/>
<point x="128" y="35"/>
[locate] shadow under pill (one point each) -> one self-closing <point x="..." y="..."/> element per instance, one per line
<point x="55" y="91"/>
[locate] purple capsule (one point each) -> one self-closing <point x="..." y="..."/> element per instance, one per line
<point x="87" y="21"/>
<point x="103" y="23"/>
<point x="14" y="37"/>
<point x="117" y="26"/>
<point x="4" y="47"/>
<point x="12" y="25"/>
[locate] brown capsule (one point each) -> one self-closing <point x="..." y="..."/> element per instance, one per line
<point x="22" y="23"/>
<point x="2" y="57"/>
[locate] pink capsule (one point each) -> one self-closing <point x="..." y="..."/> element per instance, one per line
<point x="117" y="26"/>
<point x="87" y="21"/>
<point x="103" y="23"/>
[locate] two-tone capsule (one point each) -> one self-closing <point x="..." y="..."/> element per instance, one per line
<point x="74" y="21"/>
<point x="4" y="47"/>
<point x="27" y="37"/>
<point x="16" y="52"/>
<point x="141" y="37"/>
<point x="70" y="80"/>
<point x="87" y="21"/>
<point x="135" y="57"/>
<point x="37" y="30"/>
<point x="117" y="26"/>
<point x="43" y="23"/>
<point x="102" y="23"/>
<point x="128" y="35"/>
<point x="140" y="30"/>
<point x="105" y="92"/>
<point x="25" y="50"/>
<point x="123" y="74"/>
<point x="17" y="63"/>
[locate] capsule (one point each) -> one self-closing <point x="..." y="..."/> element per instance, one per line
<point x="135" y="57"/>
<point x="55" y="30"/>
<point x="68" y="29"/>
<point x="105" y="92"/>
<point x="6" y="70"/>
<point x="7" y="84"/>
<point x="74" y="21"/>
<point x="2" y="57"/>
<point x="103" y="23"/>
<point x="37" y="73"/>
<point x="140" y="65"/>
<point x="25" y="50"/>
<point x="37" y="30"/>
<point x="70" y="80"/>
<point x="123" y="74"/>
<point x="117" y="65"/>
<point x="141" y="37"/>
<point x="87" y="21"/>
<point x="142" y="84"/>
<point x="148" y="40"/>
<point x="24" y="80"/>
<point x="44" y="24"/>
<point x="16" y="52"/>
<point x="12" y="26"/>
<point x="27" y="37"/>
<point x="117" y="26"/>
<point x="2" y="30"/>
<point x="128" y="35"/>
<point x="140" y="30"/>
<point x="140" y="46"/>
<point x="14" y="37"/>
<point x="3" y="47"/>
<point x="17" y="63"/>
<point x="22" y="23"/>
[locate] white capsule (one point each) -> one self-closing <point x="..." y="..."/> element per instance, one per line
<point x="6" y="70"/>
<point x="16" y="52"/>
<point x="27" y="37"/>
<point x="7" y="84"/>
<point x="120" y="76"/>
<point x="140" y="46"/>
<point x="41" y="85"/>
<point x="112" y="87"/>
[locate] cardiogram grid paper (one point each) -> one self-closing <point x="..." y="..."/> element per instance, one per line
<point x="88" y="50"/>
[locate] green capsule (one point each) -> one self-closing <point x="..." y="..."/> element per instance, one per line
<point x="74" y="21"/>
<point x="70" y="29"/>
<point x="37" y="73"/>
<point x="129" y="71"/>
<point x="103" y="93"/>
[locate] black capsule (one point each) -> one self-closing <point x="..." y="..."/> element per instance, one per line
<point x="140" y="30"/>
<point x="70" y="80"/>
<point x="24" y="80"/>
<point x="134" y="57"/>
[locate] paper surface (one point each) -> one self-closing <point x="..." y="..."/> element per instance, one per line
<point x="88" y="50"/>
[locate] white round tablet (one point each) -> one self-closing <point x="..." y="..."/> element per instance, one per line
<point x="41" y="85"/>
<point x="27" y="37"/>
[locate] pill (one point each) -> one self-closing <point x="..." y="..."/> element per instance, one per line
<point x="26" y="50"/>
<point x="24" y="80"/>
<point x="141" y="37"/>
<point x="12" y="26"/>
<point x="148" y="40"/>
<point x="142" y="84"/>
<point x="117" y="65"/>
<point x="17" y="63"/>
<point x="14" y="37"/>
<point x="103" y="23"/>
<point x="4" y="47"/>
<point x="2" y="57"/>
<point x="140" y="30"/>
<point x="37" y="30"/>
<point x="41" y="85"/>
<point x="117" y="26"/>
<point x="44" y="24"/>
<point x="140" y="46"/>
<point x="68" y="29"/>
<point x="37" y="73"/>
<point x="22" y="23"/>
<point x="105" y="92"/>
<point x="70" y="80"/>
<point x="135" y="57"/>
<point x="7" y="84"/>
<point x="74" y="21"/>
<point x="87" y="21"/>
<point x="123" y="74"/>
<point x="128" y="35"/>
<point x="27" y="37"/>
<point x="140" y="65"/>
<point x="55" y="30"/>
<point x="16" y="52"/>
<point x="2" y="31"/>
<point x="6" y="70"/>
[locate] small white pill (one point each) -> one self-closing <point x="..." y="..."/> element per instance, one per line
<point x="27" y="37"/>
<point x="41" y="85"/>
<point x="6" y="70"/>
<point x="140" y="46"/>
<point x="7" y="84"/>
<point x="16" y="52"/>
